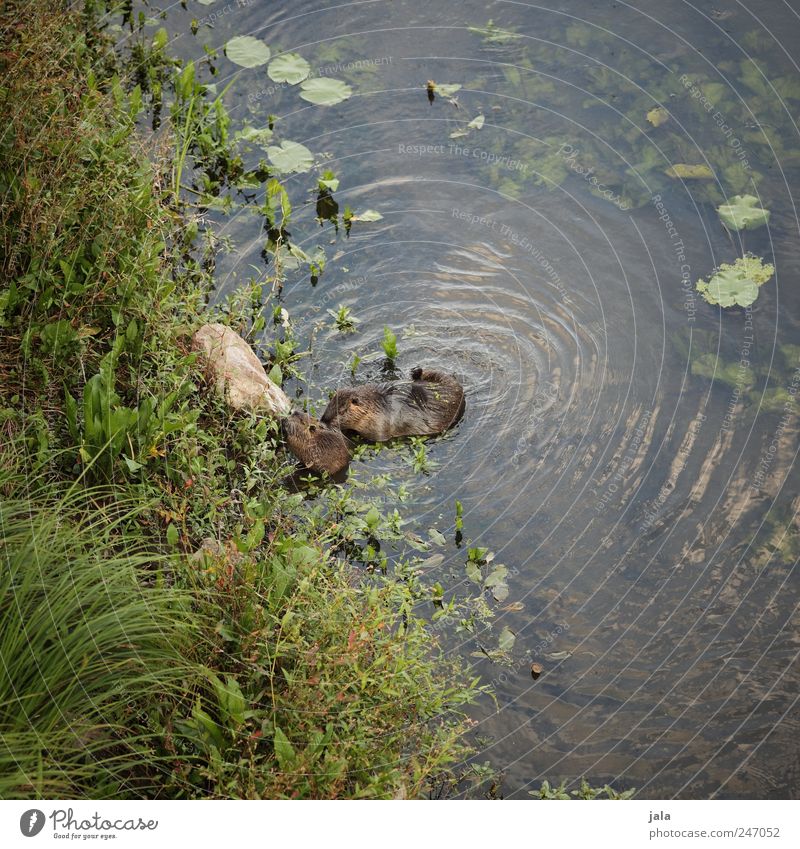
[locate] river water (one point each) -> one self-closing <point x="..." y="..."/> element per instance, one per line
<point x="629" y="450"/>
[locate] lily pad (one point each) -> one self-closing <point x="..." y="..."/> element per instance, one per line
<point x="324" y="91"/>
<point x="690" y="172"/>
<point x="743" y="213"/>
<point x="736" y="284"/>
<point x="289" y="68"/>
<point x="291" y="157"/>
<point x="657" y="116"/>
<point x="247" y="51"/>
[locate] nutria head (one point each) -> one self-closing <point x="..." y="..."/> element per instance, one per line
<point x="355" y="408"/>
<point x="317" y="445"/>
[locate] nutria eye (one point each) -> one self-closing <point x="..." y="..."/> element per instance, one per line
<point x="312" y="428"/>
<point x="354" y="402"/>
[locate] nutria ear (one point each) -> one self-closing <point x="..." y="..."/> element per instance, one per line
<point x="416" y="373"/>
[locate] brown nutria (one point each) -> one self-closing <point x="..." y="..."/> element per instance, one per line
<point x="318" y="446"/>
<point x="429" y="403"/>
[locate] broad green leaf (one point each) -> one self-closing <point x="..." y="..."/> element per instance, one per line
<point x="328" y="181"/>
<point x="743" y="213"/>
<point x="446" y="89"/>
<point x="247" y="52"/>
<point x="289" y="68"/>
<point x="690" y="172"/>
<point x="290" y="157"/>
<point x="172" y="535"/>
<point x="324" y="91"/>
<point x="736" y="284"/>
<point x="436" y="536"/>
<point x="367" y="215"/>
<point x="506" y="639"/>
<point x="284" y="751"/>
<point x="496" y="576"/>
<point x="474" y="572"/>
<point x="372" y="518"/>
<point x="260" y="136"/>
<point x="276" y="375"/>
<point x="500" y="592"/>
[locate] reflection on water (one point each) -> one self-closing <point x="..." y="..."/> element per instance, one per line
<point x="628" y="450"/>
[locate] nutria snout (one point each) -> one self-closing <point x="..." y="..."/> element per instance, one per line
<point x="317" y="445"/>
<point x="430" y="403"/>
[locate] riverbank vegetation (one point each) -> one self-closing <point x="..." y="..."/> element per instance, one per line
<point x="174" y="621"/>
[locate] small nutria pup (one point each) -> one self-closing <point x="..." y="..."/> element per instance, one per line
<point x="318" y="446"/>
<point x="429" y="403"/>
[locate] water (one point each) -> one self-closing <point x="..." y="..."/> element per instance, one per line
<point x="647" y="512"/>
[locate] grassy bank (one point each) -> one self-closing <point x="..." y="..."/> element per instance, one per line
<point x="173" y="622"/>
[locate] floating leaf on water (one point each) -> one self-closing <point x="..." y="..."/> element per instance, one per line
<point x="743" y="213"/>
<point x="690" y="172"/>
<point x="474" y="572"/>
<point x="290" y="157"/>
<point x="514" y="606"/>
<point x="500" y="592"/>
<point x="260" y="136"/>
<point x="206" y="2"/>
<point x="367" y="215"/>
<point x="289" y="68"/>
<point x="657" y="116"/>
<point x="736" y="284"/>
<point x="506" y="639"/>
<point x="493" y="34"/>
<point x="536" y="670"/>
<point x="496" y="576"/>
<point x="446" y="89"/>
<point x="432" y="562"/>
<point x="458" y="134"/>
<point x="559" y="655"/>
<point x="436" y="536"/>
<point x="477" y="122"/>
<point x="324" y="91"/>
<point x="247" y="52"/>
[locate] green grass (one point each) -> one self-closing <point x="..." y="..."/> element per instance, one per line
<point x="92" y="645"/>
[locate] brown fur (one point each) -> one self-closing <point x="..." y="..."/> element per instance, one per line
<point x="429" y="403"/>
<point x="318" y="446"/>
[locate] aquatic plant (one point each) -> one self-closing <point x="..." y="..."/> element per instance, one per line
<point x="737" y="283"/>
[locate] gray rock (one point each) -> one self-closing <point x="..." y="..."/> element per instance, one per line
<point x="237" y="372"/>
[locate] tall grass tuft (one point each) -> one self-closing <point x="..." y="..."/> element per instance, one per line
<point x="91" y="643"/>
